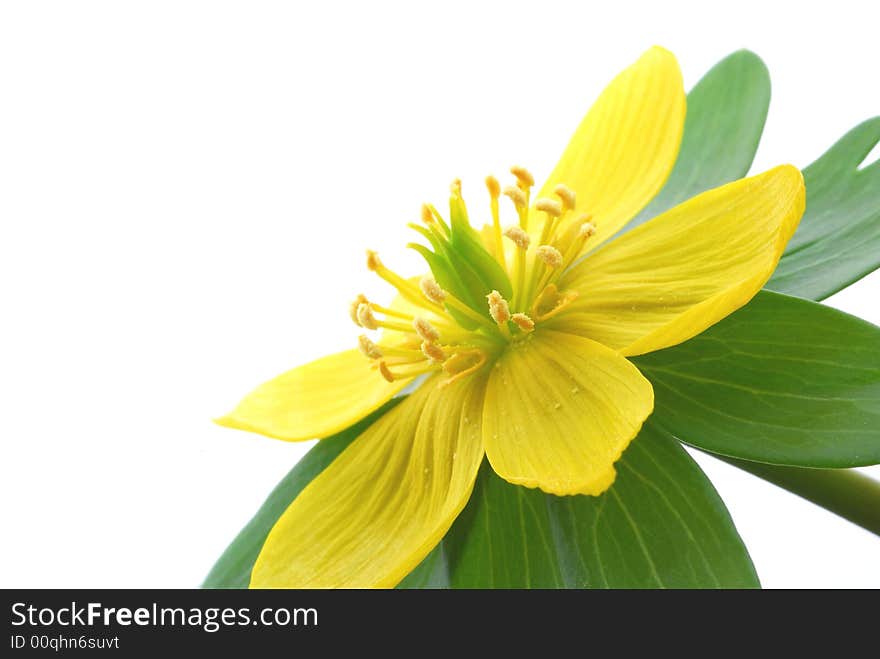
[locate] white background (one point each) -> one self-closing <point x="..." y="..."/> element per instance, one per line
<point x="186" y="190"/>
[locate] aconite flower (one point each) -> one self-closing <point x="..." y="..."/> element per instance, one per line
<point x="517" y="342"/>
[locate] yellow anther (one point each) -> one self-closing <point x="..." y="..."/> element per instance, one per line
<point x="373" y="262"/>
<point x="550" y="302"/>
<point x="521" y="239"/>
<point x="493" y="186"/>
<point x="567" y="195"/>
<point x="426" y="330"/>
<point x="498" y="244"/>
<point x="516" y="195"/>
<point x="369" y="348"/>
<point x="427" y="215"/>
<point x="365" y="317"/>
<point x="523" y="176"/>
<point x="498" y="308"/>
<point x="406" y="288"/>
<point x="460" y="361"/>
<point x="463" y="363"/>
<point x="518" y="236"/>
<point x="587" y="229"/>
<point x="551" y="256"/>
<point x="522" y="321"/>
<point x="549" y="206"/>
<point x="455" y="186"/>
<point x="431" y="289"/>
<point x="546" y="300"/>
<point x="433" y="352"/>
<point x="353" y="308"/>
<point x="386" y="372"/>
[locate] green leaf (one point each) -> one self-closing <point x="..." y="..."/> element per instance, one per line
<point x="783" y="380"/>
<point x="233" y="568"/>
<point x="503" y="538"/>
<point x="725" y="118"/>
<point x="432" y="572"/>
<point x="845" y="492"/>
<point x="838" y="240"/>
<point x="661" y="525"/>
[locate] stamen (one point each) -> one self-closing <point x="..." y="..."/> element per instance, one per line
<point x="570" y="241"/>
<point x="571" y="229"/>
<point x="405" y="370"/>
<point x="455" y="186"/>
<point x="523" y="176"/>
<point x="433" y="352"/>
<point x="549" y="206"/>
<point x="386" y="372"/>
<point x="567" y="195"/>
<point x="401" y="351"/>
<point x="431" y="289"/>
<point x="388" y="311"/>
<point x="550" y="302"/>
<point x="522" y="321"/>
<point x="494" y="192"/>
<point x="425" y="330"/>
<point x="587" y="229"/>
<point x="520" y="238"/>
<point x="493" y="186"/>
<point x="368" y="320"/>
<point x="373" y="262"/>
<point x="453" y="302"/>
<point x="370" y="349"/>
<point x="427" y="216"/>
<point x="434" y="220"/>
<point x="551" y="256"/>
<point x="365" y="317"/>
<point x="353" y="308"/>
<point x="463" y="363"/>
<point x="406" y="288"/>
<point x="517" y="196"/>
<point x="498" y="308"/>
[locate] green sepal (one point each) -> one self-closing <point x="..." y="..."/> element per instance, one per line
<point x="468" y="251"/>
<point x="448" y="278"/>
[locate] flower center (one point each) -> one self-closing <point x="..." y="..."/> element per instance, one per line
<point x="488" y="288"/>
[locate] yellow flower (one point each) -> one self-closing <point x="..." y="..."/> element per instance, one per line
<point x="518" y="342"/>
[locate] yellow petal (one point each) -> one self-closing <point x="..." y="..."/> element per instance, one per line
<point x="560" y="409"/>
<point x="683" y="271"/>
<point x="386" y="501"/>
<point x="624" y="149"/>
<point x="314" y="400"/>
